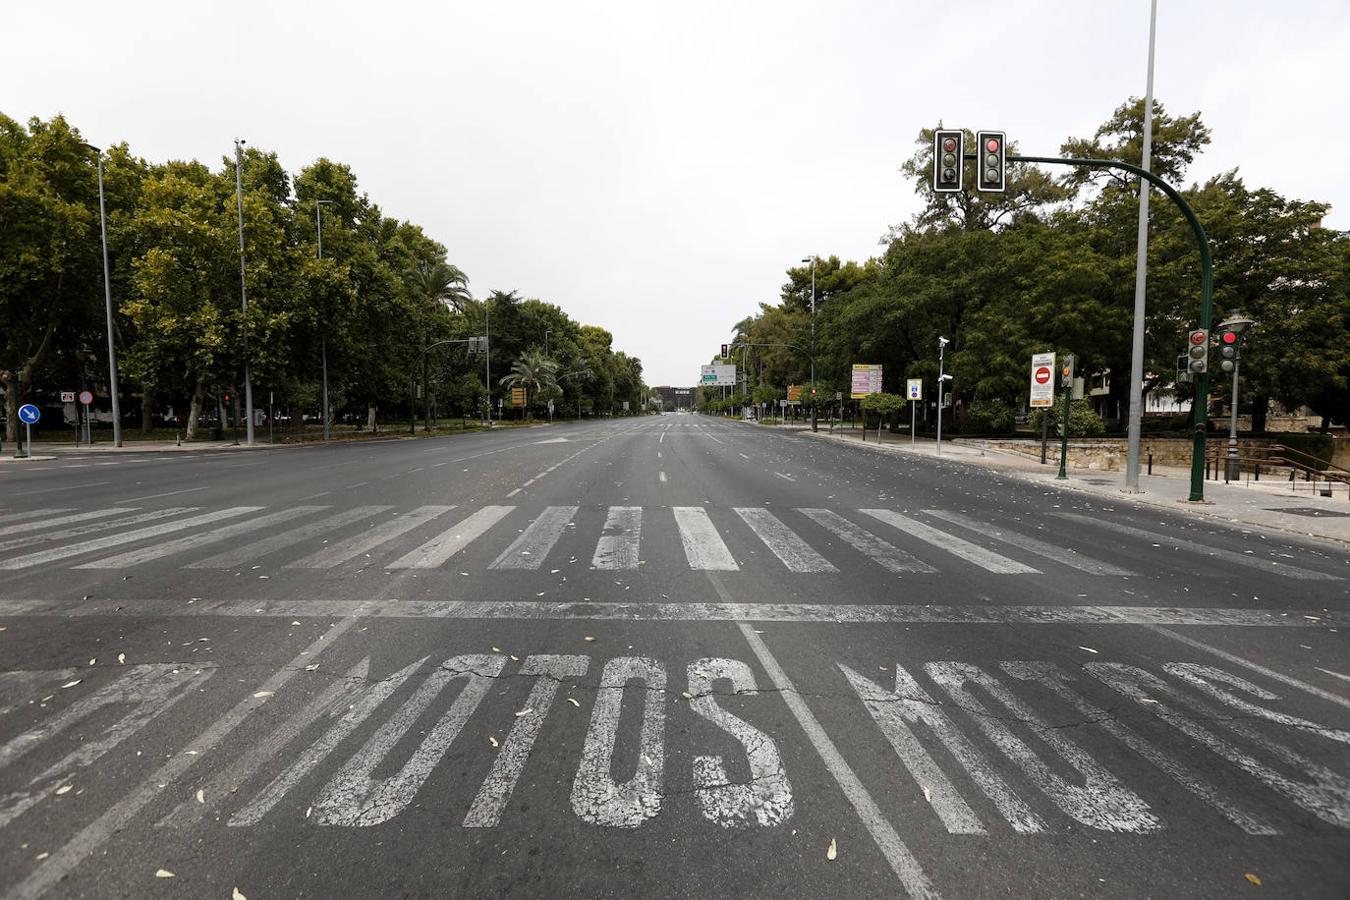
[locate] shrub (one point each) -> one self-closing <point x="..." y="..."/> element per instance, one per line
<point x="1083" y="422"/>
<point x="990" y="417"/>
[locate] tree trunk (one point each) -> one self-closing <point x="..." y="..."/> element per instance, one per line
<point x="238" y="416"/>
<point x="195" y="409"/>
<point x="370" y="418"/>
<point x="1260" y="409"/>
<point x="147" y="410"/>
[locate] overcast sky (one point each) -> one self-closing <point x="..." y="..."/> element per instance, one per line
<point x="654" y="168"/>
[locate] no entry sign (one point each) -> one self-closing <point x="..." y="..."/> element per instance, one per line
<point x="1042" y="380"/>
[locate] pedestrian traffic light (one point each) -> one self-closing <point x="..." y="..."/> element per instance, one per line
<point x="948" y="167"/>
<point x="1183" y="370"/>
<point x="1228" y="350"/>
<point x="992" y="160"/>
<point x="1198" y="351"/>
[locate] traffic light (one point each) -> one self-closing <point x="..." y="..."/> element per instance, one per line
<point x="992" y="160"/>
<point x="1228" y="350"/>
<point x="948" y="167"/>
<point x="724" y="351"/>
<point x="1198" y="351"/>
<point x="1183" y="372"/>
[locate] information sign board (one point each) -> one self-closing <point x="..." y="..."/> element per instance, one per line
<point x="866" y="380"/>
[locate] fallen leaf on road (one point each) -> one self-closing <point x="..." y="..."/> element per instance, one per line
<point x="63" y="789"/>
<point x="589" y="638"/>
<point x="263" y="694"/>
<point x="524" y="712"/>
<point x="1254" y="879"/>
<point x="164" y="873"/>
<point x="71" y="684"/>
<point x="927" y="794"/>
<point x="311" y="668"/>
<point x="201" y="796"/>
<point x="1088" y="649"/>
<point x="93" y="661"/>
<point x="573" y="701"/>
<point x="237" y="894"/>
<point x="121" y="659"/>
<point x="833" y="851"/>
<point x="496" y="649"/>
<point x="493" y="741"/>
<point x="687" y="695"/>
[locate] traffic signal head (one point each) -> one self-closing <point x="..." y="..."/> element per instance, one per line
<point x="1197" y="350"/>
<point x="724" y="351"/>
<point x="1228" y="350"/>
<point x="948" y="160"/>
<point x="992" y="160"/>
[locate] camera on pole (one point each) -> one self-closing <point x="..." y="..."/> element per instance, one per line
<point x="948" y="166"/>
<point x="991" y="165"/>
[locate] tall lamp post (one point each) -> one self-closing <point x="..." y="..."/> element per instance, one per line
<point x="323" y="338"/>
<point x="107" y="305"/>
<point x="1230" y="350"/>
<point x="243" y="291"/>
<point x="942" y="376"/>
<point x="812" y="260"/>
<point x="546" y="334"/>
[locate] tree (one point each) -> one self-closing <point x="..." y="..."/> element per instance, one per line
<point x="441" y="282"/>
<point x="532" y="371"/>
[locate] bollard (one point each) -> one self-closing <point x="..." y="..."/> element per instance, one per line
<point x="1258" y="471"/>
<point x="1150" y="464"/>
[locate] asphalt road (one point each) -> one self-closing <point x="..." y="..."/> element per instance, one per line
<point x="671" y="656"/>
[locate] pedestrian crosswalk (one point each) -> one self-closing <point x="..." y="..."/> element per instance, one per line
<point x="504" y="538"/>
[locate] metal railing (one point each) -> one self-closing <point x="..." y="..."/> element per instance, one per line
<point x="1278" y="462"/>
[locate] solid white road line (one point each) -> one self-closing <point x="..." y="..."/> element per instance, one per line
<point x="703" y="546"/>
<point x="1255" y="667"/>
<point x="1251" y="561"/>
<point x="618" y="544"/>
<point x="352" y="547"/>
<point x="113" y="540"/>
<point x="886" y="555"/>
<point x="104" y="525"/>
<point x="971" y="553"/>
<point x="535" y="542"/>
<point x="94" y="835"/>
<point x="454" y="539"/>
<point x="192" y="541"/>
<point x="236" y="556"/>
<point x="794" y="552"/>
<point x="1062" y="555"/>
<point x="901" y="860"/>
<point x="28" y="527"/>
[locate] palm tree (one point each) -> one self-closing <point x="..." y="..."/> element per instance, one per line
<point x="531" y="371"/>
<point x="442" y="282"/>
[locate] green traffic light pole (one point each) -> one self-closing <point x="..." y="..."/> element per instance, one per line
<point x="1206" y="293"/>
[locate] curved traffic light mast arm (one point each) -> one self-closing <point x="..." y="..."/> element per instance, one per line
<point x="412" y="382"/>
<point x="1206" y="291"/>
<point x="800" y="350"/>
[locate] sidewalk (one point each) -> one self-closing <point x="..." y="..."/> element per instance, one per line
<point x="1270" y="505"/>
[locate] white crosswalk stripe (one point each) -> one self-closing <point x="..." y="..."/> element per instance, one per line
<point x="1238" y="559"/>
<point x="703" y="546"/>
<point x="886" y="555"/>
<point x="449" y="542"/>
<point x="785" y="543"/>
<point x="192" y="541"/>
<point x="352" y="547"/>
<point x="971" y="553"/>
<point x="1061" y="555"/>
<point x="31" y="514"/>
<point x="237" y="556"/>
<point x="126" y="537"/>
<point x="27" y="527"/>
<point x="104" y="525"/>
<point x="535" y="542"/>
<point x="618" y="544"/>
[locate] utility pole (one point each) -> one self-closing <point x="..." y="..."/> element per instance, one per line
<point x="1140" y="276"/>
<point x="107" y="306"/>
<point x="487" y="353"/>
<point x="813" y="260"/>
<point x="243" y="291"/>
<point x="323" y="339"/>
<point x="942" y="376"/>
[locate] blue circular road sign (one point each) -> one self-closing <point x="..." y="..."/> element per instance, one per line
<point x="29" y="414"/>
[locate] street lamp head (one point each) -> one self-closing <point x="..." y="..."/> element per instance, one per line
<point x="1236" y="322"/>
<point x="88" y="146"/>
<point x="942" y="341"/>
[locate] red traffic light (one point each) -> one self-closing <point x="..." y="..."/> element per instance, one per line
<point x="1197" y="337"/>
<point x="991" y="145"/>
<point x="949" y="145"/>
<point x="1230" y="337"/>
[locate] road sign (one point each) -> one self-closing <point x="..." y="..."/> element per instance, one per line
<point x="718" y="375"/>
<point x="29" y="414"/>
<point x="86" y="398"/>
<point x="1042" y="380"/>
<point x="914" y="388"/>
<point x="866" y="380"/>
<point x="839" y="395"/>
<point x="67" y="396"/>
<point x="625" y="406"/>
<point x="517" y="396"/>
<point x="794" y="393"/>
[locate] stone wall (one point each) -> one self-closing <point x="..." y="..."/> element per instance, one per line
<point x="1108" y="454"/>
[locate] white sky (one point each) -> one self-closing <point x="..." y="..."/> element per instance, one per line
<point x="654" y="168"/>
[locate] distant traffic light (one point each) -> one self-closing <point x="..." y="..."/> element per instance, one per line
<point x="948" y="153"/>
<point x="992" y="160"/>
<point x="1198" y="351"/>
<point x="724" y="351"/>
<point x="1228" y="350"/>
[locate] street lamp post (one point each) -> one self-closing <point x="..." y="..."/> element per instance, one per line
<point x="243" y="291"/>
<point x="107" y="306"/>
<point x="812" y="260"/>
<point x="1236" y="323"/>
<point x="323" y="338"/>
<point x="942" y="376"/>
